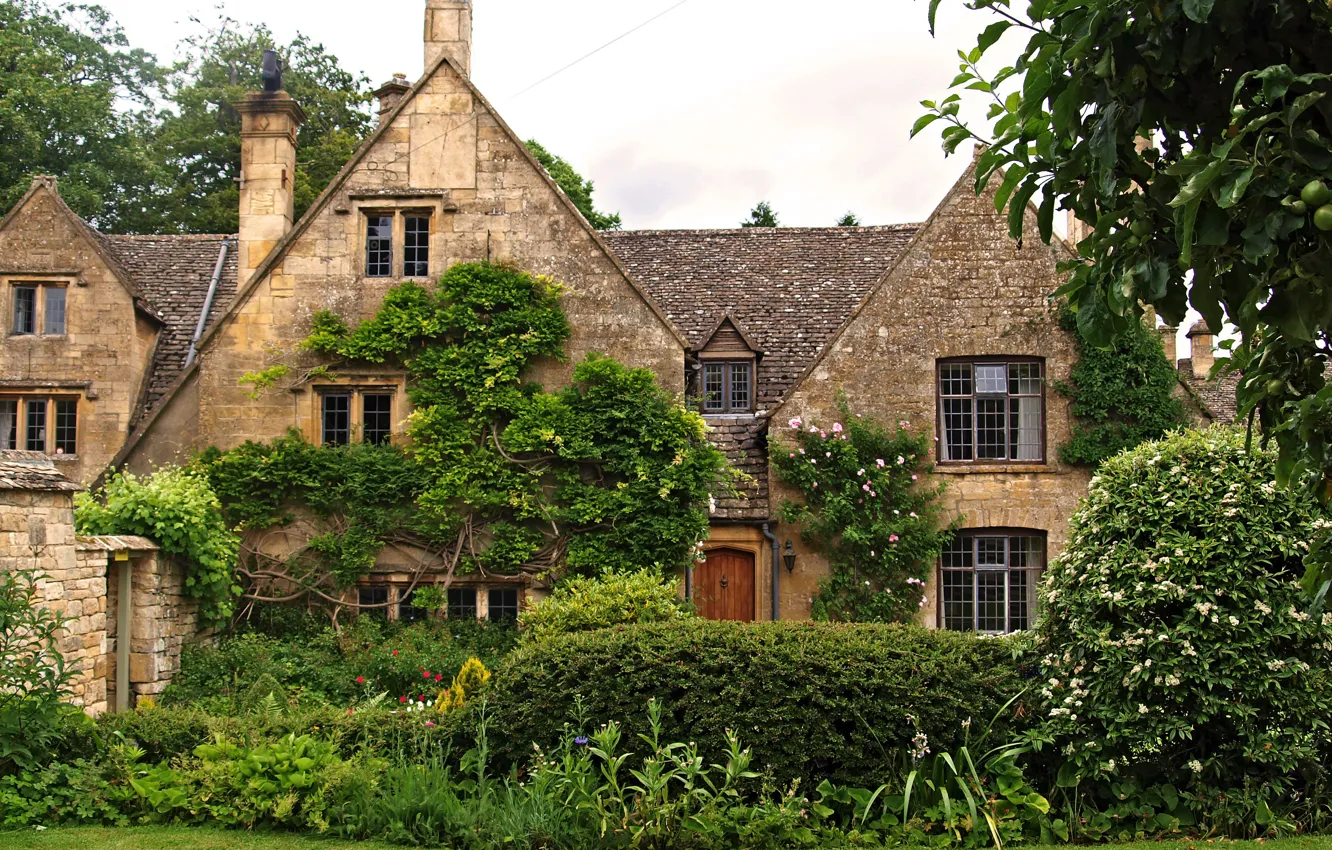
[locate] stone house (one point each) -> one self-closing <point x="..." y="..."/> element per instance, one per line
<point x="127" y="351"/>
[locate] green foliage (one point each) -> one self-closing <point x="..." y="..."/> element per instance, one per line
<point x="178" y="510"/>
<point x="322" y="667"/>
<point x="1176" y="645"/>
<point x="584" y="603"/>
<point x="199" y="139"/>
<point x="573" y="185"/>
<point x="358" y="496"/>
<point x="850" y="219"/>
<point x="264" y="379"/>
<point x="610" y="472"/>
<point x="815" y="700"/>
<point x="865" y="507"/>
<point x="34" y="723"/>
<point x="1219" y="212"/>
<point x="761" y="215"/>
<point x="75" y="102"/>
<point x="1122" y="395"/>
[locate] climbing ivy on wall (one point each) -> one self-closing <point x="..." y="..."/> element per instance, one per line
<point x="608" y="473"/>
<point x="870" y="507"/>
<point x="1122" y="395"/>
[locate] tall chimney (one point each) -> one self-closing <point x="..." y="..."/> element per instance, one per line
<point x="390" y="94"/>
<point x="448" y="29"/>
<point x="1200" y="349"/>
<point x="1168" y="334"/>
<point x="269" y="121"/>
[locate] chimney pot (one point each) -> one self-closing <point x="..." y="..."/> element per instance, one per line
<point x="448" y="29"/>
<point x="390" y="95"/>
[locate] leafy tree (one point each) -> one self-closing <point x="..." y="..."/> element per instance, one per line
<point x="1122" y="395"/>
<point x="573" y="185"/>
<point x="1194" y="139"/>
<point x="75" y="101"/>
<point x="199" y="140"/>
<point x="761" y="216"/>
<point x="848" y="220"/>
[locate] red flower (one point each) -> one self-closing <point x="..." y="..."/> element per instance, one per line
<point x="425" y="673"/>
<point x="439" y="677"/>
<point x="395" y="652"/>
<point x="420" y="698"/>
<point x="360" y="680"/>
<point x="402" y="699"/>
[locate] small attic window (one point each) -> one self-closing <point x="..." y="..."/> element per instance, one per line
<point x="727" y="361"/>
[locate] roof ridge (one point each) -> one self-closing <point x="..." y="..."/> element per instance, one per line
<point x="766" y="230"/>
<point x="201" y="237"/>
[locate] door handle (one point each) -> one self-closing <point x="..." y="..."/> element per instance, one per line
<point x="724" y="581"/>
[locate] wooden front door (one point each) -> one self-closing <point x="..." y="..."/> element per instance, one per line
<point x="724" y="585"/>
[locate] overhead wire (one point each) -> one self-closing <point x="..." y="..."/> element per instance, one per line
<point x="475" y="115"/>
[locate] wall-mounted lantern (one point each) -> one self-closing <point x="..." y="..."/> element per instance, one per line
<point x="788" y="557"/>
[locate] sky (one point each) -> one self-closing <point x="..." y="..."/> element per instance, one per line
<point x="689" y="121"/>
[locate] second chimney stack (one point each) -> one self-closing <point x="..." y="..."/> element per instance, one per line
<point x="448" y="29"/>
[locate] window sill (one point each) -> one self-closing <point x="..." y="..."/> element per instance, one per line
<point x="980" y="468"/>
<point x="60" y="457"/>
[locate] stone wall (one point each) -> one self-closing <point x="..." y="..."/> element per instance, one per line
<point x="963" y="288"/>
<point x="37" y="533"/>
<point x="163" y="618"/>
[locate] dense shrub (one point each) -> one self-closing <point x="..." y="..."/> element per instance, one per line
<point x="323" y="666"/>
<point x="178" y="510"/>
<point x="1176" y="644"/>
<point x="812" y="699"/>
<point x="581" y="604"/>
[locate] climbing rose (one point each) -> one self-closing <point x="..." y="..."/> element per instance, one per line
<point x="837" y="427"/>
<point x="425" y="673"/>
<point x="360" y="680"/>
<point x="892" y="538"/>
<point x="402" y="699"/>
<point x="439" y="677"/>
<point x="879" y="461"/>
<point x="796" y="423"/>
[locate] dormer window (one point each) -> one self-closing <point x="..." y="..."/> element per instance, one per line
<point x="728" y="387"/>
<point x="728" y="363"/>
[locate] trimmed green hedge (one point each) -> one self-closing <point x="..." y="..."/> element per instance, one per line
<point x="812" y="700"/>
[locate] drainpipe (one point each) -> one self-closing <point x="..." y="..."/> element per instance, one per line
<point x="208" y="301"/>
<point x="776" y="575"/>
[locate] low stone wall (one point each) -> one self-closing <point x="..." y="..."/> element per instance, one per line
<point x="164" y="616"/>
<point x="78" y="578"/>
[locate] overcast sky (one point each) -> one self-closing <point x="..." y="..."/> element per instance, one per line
<point x="692" y="119"/>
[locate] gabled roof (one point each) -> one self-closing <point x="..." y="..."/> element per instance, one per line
<point x="790" y="288"/>
<point x="728" y="318"/>
<point x="1216" y="396"/>
<point x="384" y="126"/>
<point x="174" y="273"/>
<point x="96" y="240"/>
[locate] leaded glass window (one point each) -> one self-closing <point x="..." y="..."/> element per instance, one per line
<point x="54" y="321"/>
<point x="376" y="417"/>
<point x="503" y="603"/>
<point x="987" y="580"/>
<point x="416" y="246"/>
<point x="991" y="411"/>
<point x="462" y="603"/>
<point x="728" y="387"/>
<point x="36" y="430"/>
<point x="379" y="246"/>
<point x="336" y="414"/>
<point x="25" y="309"/>
<point x="66" y="426"/>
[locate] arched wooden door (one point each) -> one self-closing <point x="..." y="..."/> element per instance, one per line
<point x="724" y="585"/>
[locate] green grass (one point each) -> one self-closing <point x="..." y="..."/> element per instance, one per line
<point x="171" y="838"/>
<point x="198" y="838"/>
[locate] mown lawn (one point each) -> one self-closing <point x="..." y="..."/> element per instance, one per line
<point x="171" y="838"/>
<point x="197" y="838"/>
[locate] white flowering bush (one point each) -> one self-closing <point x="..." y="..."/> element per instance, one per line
<point x="1175" y="643"/>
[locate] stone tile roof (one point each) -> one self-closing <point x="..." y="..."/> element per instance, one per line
<point x="31" y="471"/>
<point x="790" y="288"/>
<point x="173" y="273"/>
<point x="114" y="543"/>
<point x="744" y="441"/>
<point x="1216" y="397"/>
